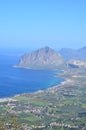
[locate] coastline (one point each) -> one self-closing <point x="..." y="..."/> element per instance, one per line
<point x="50" y="89"/>
<point x="66" y="82"/>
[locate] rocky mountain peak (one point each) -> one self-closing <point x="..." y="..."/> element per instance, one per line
<point x="44" y="58"/>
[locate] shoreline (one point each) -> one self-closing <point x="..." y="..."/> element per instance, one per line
<point x="51" y="88"/>
<point x="66" y="82"/>
<point x="8" y="99"/>
<point x="4" y="98"/>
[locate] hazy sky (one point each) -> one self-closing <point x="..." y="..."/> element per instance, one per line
<point x="37" y="23"/>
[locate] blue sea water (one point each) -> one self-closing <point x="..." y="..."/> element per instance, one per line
<point x="17" y="80"/>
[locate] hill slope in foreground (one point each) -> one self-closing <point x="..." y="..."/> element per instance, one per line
<point x="44" y="58"/>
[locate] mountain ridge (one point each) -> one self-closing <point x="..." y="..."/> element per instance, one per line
<point x="68" y="53"/>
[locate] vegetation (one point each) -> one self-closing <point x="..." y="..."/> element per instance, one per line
<point x="62" y="107"/>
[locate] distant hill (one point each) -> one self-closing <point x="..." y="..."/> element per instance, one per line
<point x="44" y="58"/>
<point x="68" y="53"/>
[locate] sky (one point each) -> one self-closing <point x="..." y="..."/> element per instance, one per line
<point x="31" y="24"/>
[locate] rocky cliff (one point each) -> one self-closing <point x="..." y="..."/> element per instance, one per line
<point x="44" y="58"/>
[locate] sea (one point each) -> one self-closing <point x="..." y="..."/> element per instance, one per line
<point x="14" y="81"/>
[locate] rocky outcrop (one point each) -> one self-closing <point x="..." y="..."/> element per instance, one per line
<point x="44" y="58"/>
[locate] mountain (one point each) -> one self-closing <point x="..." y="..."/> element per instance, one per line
<point x="68" y="53"/>
<point x="44" y="58"/>
<point x="82" y="53"/>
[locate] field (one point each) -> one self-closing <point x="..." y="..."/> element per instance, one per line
<point x="61" y="107"/>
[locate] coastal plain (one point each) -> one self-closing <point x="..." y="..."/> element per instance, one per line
<point x="61" y="107"/>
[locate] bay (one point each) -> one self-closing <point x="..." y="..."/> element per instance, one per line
<point x="15" y="81"/>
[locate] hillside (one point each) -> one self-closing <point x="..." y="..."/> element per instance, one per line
<point x="44" y="58"/>
<point x="68" y="53"/>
